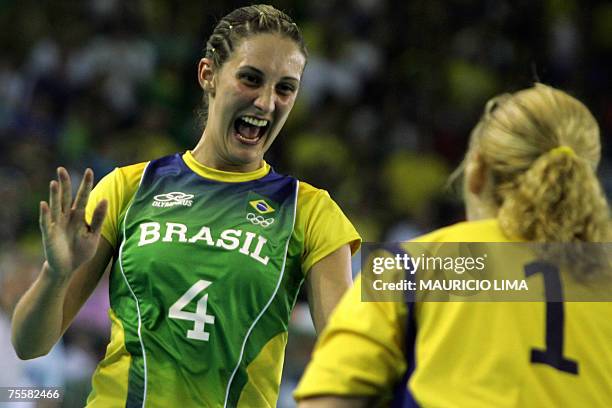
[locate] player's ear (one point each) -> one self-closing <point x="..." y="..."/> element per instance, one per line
<point x="206" y="75"/>
<point x="476" y="173"/>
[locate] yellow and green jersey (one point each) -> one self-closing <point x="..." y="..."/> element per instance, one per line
<point x="470" y="354"/>
<point x="207" y="270"/>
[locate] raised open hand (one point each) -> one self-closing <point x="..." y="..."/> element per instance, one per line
<point x="67" y="238"/>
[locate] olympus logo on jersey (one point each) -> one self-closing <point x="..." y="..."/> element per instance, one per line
<point x="172" y="199"/>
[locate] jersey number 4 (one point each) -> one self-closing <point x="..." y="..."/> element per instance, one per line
<point x="555" y="320"/>
<point x="200" y="318"/>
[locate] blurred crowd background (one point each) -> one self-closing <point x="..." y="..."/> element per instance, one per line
<point x="389" y="96"/>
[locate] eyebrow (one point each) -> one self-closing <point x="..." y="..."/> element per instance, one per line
<point x="260" y="72"/>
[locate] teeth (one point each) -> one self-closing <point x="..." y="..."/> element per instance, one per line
<point x="254" y="121"/>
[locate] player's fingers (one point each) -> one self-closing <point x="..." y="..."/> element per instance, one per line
<point x="54" y="200"/>
<point x="65" y="189"/>
<point x="98" y="216"/>
<point x="44" y="218"/>
<point x="84" y="189"/>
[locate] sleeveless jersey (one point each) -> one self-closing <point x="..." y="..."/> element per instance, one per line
<point x="203" y="281"/>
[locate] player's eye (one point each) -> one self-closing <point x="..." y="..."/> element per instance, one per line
<point x="285" y="89"/>
<point x="249" y="79"/>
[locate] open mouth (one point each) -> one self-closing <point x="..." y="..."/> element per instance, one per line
<point x="249" y="129"/>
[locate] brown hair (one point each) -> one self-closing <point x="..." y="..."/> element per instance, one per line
<point x="542" y="148"/>
<point x="242" y="23"/>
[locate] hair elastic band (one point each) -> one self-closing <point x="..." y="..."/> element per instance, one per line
<point x="566" y="150"/>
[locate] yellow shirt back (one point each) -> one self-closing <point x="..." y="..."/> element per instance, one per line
<point x="452" y="354"/>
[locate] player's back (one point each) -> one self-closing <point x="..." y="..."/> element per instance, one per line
<point x="510" y="354"/>
<point x="467" y="354"/>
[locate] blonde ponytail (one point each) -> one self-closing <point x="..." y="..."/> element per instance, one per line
<point x="558" y="199"/>
<point x="542" y="148"/>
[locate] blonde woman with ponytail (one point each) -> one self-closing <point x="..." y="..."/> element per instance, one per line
<point x="529" y="175"/>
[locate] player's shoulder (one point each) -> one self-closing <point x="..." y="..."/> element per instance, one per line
<point x="131" y="174"/>
<point x="307" y="192"/>
<point x="468" y="231"/>
<point x="121" y="182"/>
<point x="314" y="201"/>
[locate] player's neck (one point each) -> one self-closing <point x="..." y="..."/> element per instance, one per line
<point x="476" y="209"/>
<point x="208" y="155"/>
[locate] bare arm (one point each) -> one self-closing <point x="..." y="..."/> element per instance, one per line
<point x="327" y="281"/>
<point x="76" y="259"/>
<point x="336" y="402"/>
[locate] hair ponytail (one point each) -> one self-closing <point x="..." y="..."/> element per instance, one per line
<point x="558" y="199"/>
<point x="542" y="147"/>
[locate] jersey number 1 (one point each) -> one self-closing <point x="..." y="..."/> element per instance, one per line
<point x="200" y="318"/>
<point x="555" y="320"/>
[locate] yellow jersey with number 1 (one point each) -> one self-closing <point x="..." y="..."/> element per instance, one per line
<point x="452" y="354"/>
